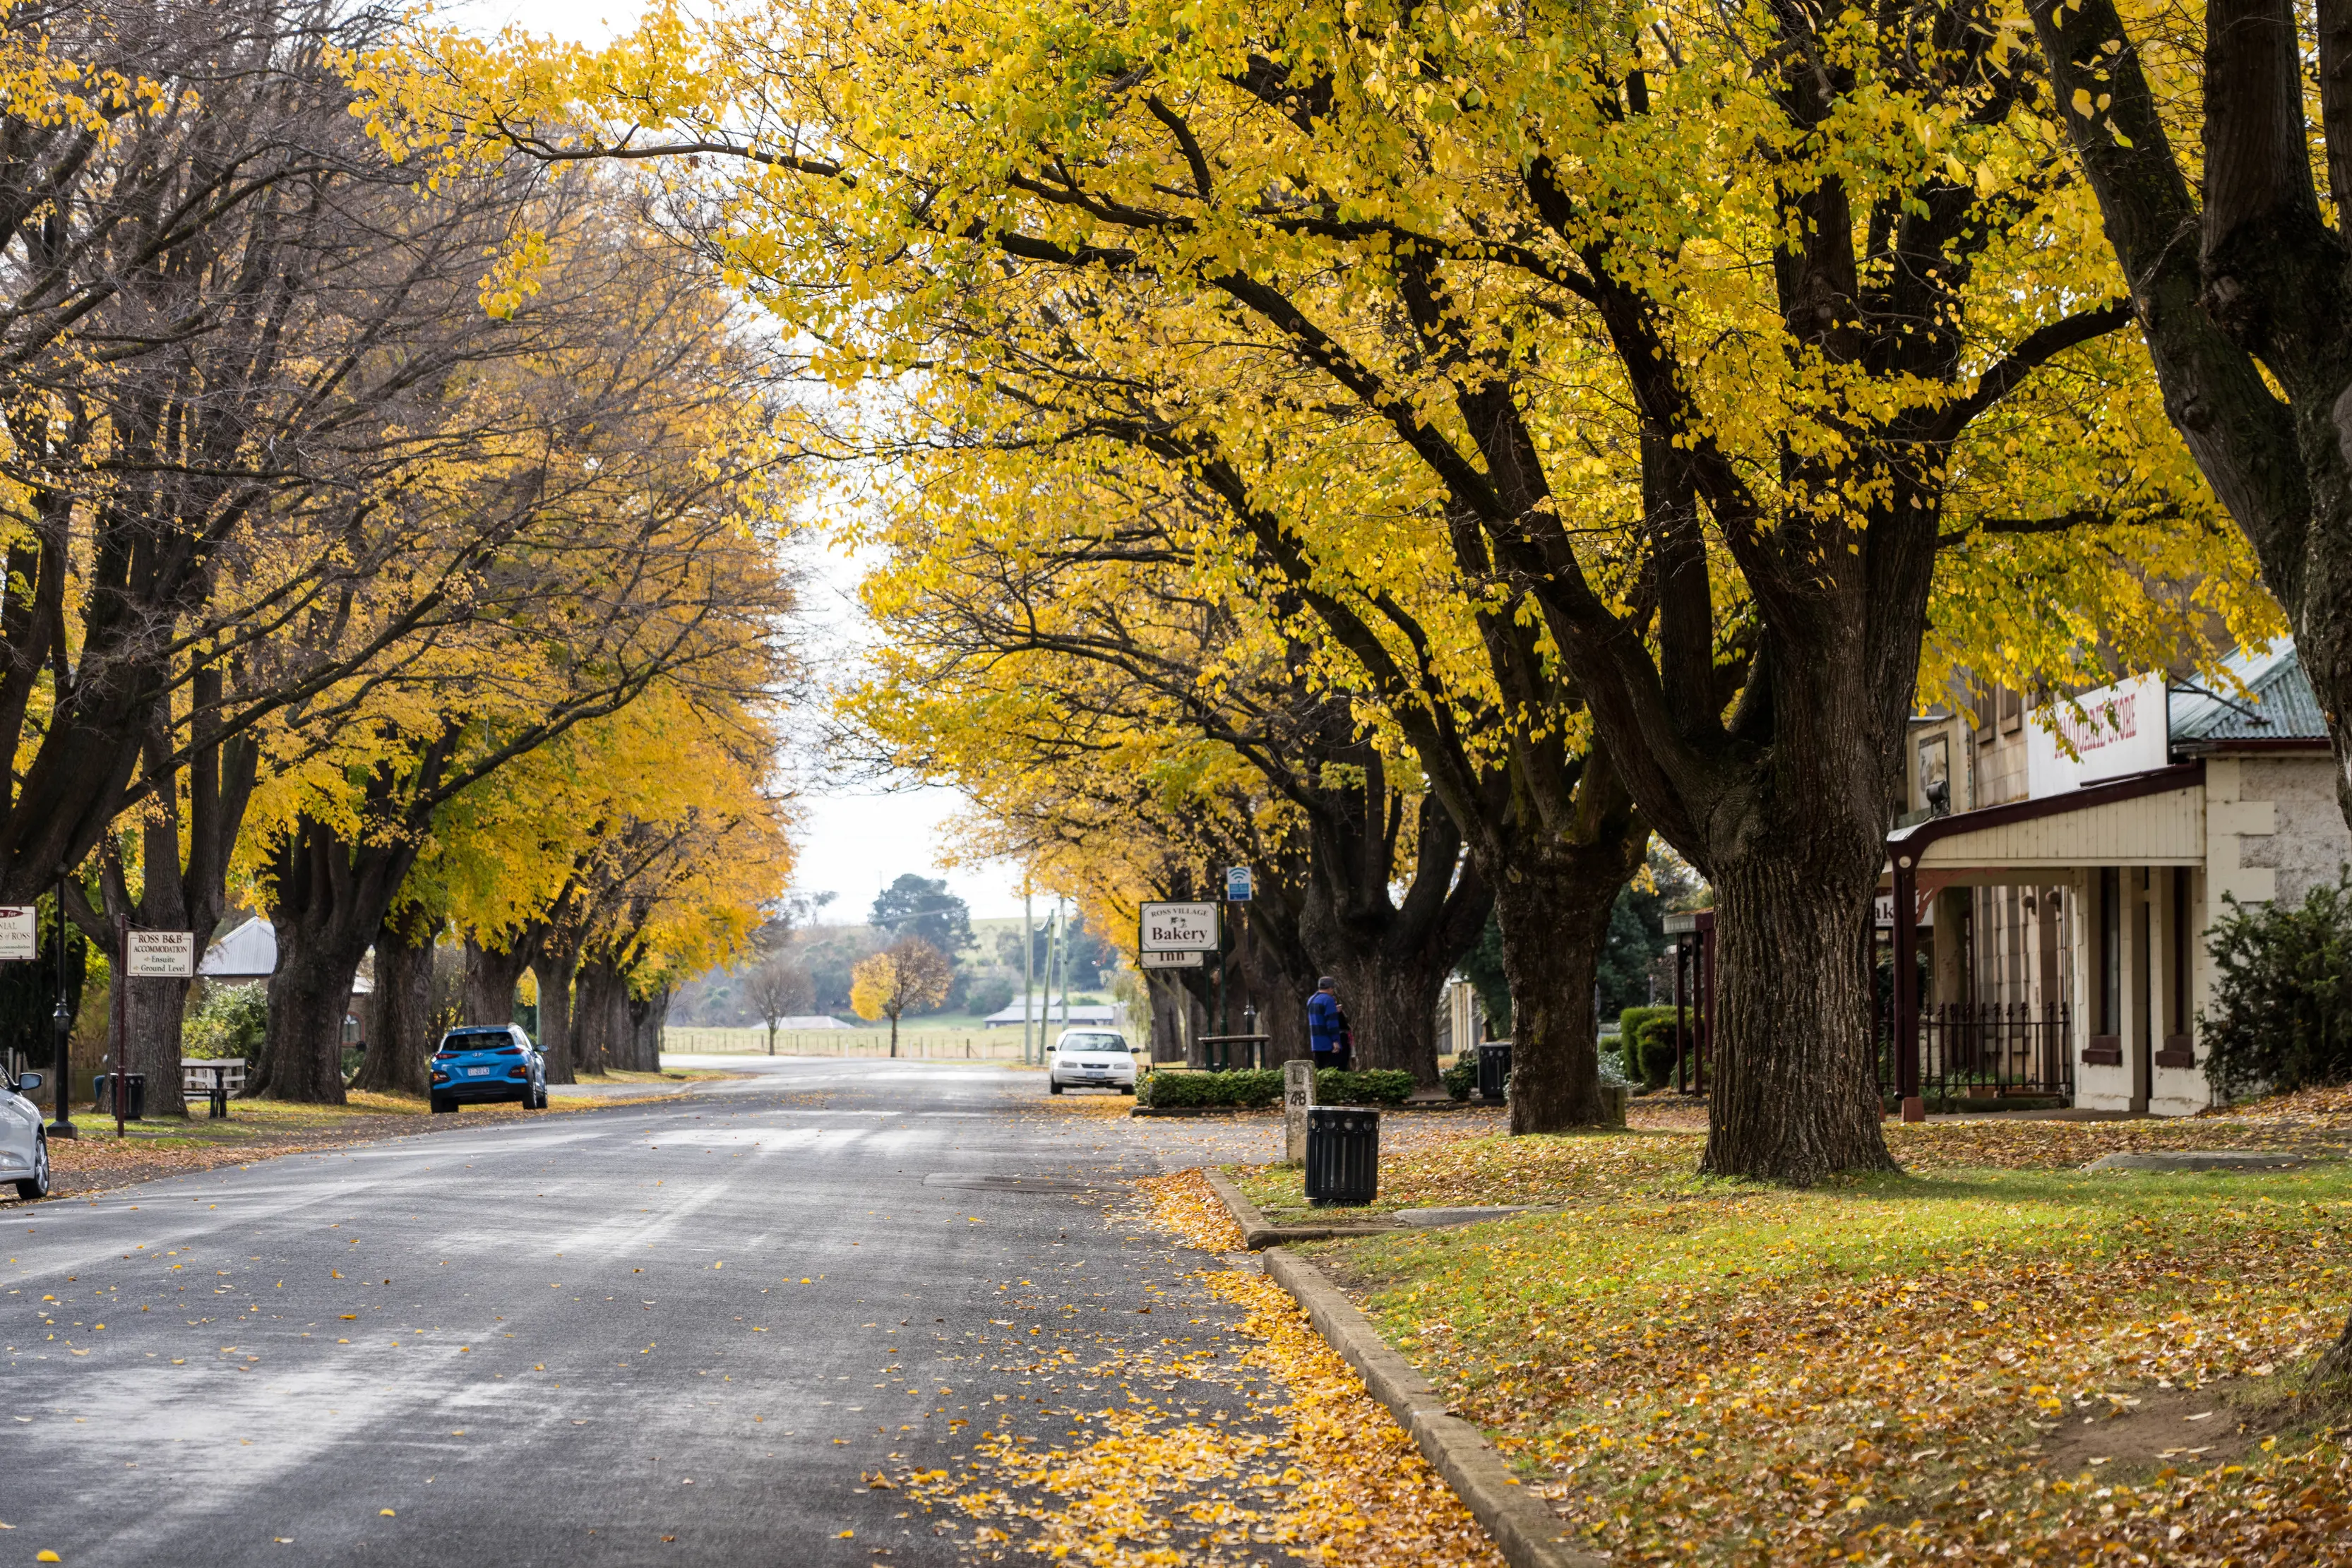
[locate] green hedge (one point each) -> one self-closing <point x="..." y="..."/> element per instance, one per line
<point x="1656" y="1051"/>
<point x="2281" y="1013"/>
<point x="1462" y="1077"/>
<point x="1262" y="1087"/>
<point x="1245" y="1088"/>
<point x="1371" y="1086"/>
<point x="1630" y="1024"/>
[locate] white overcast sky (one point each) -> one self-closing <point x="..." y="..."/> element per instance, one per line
<point x="853" y="842"/>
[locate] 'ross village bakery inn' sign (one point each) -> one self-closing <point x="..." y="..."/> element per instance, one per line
<point x="1177" y="928"/>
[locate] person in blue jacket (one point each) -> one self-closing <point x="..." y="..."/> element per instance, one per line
<point x="1326" y="1024"/>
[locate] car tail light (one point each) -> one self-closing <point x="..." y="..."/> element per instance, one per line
<point x="518" y="1070"/>
<point x="439" y="1076"/>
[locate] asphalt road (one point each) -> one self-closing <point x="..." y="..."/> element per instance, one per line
<point x="685" y="1332"/>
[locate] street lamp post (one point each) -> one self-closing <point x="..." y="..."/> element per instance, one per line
<point x="62" y="1021"/>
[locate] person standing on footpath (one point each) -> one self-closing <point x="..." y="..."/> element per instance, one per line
<point x="1326" y="1024"/>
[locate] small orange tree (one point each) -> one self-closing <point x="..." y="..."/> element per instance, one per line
<point x="908" y="973"/>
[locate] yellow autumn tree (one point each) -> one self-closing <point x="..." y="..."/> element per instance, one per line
<point x="909" y="974"/>
<point x="1129" y="727"/>
<point x="1681" y="339"/>
<point x="628" y="465"/>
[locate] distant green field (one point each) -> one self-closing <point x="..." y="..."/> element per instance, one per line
<point x="930" y="1041"/>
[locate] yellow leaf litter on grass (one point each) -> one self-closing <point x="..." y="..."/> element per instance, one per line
<point x="1722" y="1369"/>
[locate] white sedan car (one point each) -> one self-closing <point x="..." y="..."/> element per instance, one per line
<point x="23" y="1147"/>
<point x="1091" y="1058"/>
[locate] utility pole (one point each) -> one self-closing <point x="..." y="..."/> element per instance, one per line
<point x="1225" y="1019"/>
<point x="1062" y="918"/>
<point x="1028" y="969"/>
<point x="1045" y="993"/>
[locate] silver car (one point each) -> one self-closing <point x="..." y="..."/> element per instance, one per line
<point x="1093" y="1057"/>
<point x="24" y="1142"/>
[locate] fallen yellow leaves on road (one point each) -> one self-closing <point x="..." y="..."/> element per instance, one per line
<point x="1245" y="1441"/>
<point x="1187" y="1204"/>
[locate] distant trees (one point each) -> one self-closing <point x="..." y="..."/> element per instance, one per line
<point x="776" y="985"/>
<point x="908" y="976"/>
<point x="923" y="907"/>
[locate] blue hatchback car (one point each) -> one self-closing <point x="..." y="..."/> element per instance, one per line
<point x="487" y="1062"/>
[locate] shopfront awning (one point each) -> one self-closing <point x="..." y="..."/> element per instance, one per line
<point x="2150" y="819"/>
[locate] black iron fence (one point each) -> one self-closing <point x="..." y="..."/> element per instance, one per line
<point x="1984" y="1051"/>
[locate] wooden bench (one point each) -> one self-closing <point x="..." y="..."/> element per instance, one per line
<point x="217" y="1076"/>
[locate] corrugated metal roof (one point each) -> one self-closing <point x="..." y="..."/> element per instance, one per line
<point x="2279" y="703"/>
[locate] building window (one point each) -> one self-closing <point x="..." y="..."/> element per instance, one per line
<point x="2180" y="951"/>
<point x="2012" y="711"/>
<point x="1935" y="774"/>
<point x="2111" y="950"/>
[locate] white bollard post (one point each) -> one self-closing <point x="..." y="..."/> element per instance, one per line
<point x="1297" y="1094"/>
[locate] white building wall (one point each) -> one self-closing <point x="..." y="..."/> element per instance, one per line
<point x="2295" y="829"/>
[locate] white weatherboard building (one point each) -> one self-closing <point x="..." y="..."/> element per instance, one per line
<point x="249" y="953"/>
<point x="2064" y="900"/>
<point x="1083" y="1015"/>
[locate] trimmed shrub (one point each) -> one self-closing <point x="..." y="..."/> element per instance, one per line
<point x="1246" y="1087"/>
<point x="2282" y="1012"/>
<point x="1630" y="1025"/>
<point x="1462" y="1077"/>
<point x="1656" y="1049"/>
<point x="1264" y="1087"/>
<point x="1374" y="1086"/>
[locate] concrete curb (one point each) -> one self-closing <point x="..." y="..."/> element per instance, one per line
<point x="1258" y="1233"/>
<point x="1521" y="1522"/>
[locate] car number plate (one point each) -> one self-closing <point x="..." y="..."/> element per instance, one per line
<point x="478" y="1073"/>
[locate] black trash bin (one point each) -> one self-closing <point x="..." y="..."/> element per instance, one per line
<point x="1343" y="1154"/>
<point x="1493" y="1069"/>
<point x="134" y="1095"/>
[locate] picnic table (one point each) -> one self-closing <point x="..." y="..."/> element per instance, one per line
<point x="215" y="1075"/>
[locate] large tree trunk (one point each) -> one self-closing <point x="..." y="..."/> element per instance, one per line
<point x="1552" y="908"/>
<point x="153" y="1008"/>
<point x="493" y="973"/>
<point x="593" y="1000"/>
<point x="647" y="1015"/>
<point x="2251" y="329"/>
<point x="1795" y="1086"/>
<point x="1391" y="958"/>
<point x="398" y="1013"/>
<point x="557" y="966"/>
<point x="1272" y="975"/>
<point x="328" y="899"/>
<point x="309" y="997"/>
<point x="153" y="1012"/>
<point x="620" y="1026"/>
<point x="179" y="894"/>
<point x="1390" y="1000"/>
